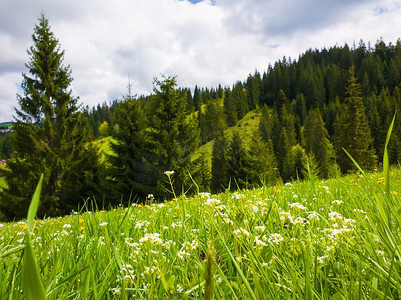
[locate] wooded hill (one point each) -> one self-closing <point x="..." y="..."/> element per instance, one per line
<point x="298" y="116"/>
<point x="307" y="110"/>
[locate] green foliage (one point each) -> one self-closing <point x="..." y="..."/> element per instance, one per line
<point x="262" y="164"/>
<point x="220" y="176"/>
<point x="128" y="173"/>
<point x="174" y="134"/>
<point x="237" y="160"/>
<point x="32" y="284"/>
<point x="49" y="137"/>
<point x="352" y="130"/>
<point x="326" y="239"/>
<point x="104" y="129"/>
<point x="317" y="142"/>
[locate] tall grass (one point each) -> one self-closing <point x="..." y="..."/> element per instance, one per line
<point x="333" y="239"/>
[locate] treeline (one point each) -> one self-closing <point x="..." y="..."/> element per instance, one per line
<point x="310" y="111"/>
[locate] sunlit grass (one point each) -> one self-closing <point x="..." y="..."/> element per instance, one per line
<point x="308" y="239"/>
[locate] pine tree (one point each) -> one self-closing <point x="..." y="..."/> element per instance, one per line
<point x="174" y="133"/>
<point x="285" y="157"/>
<point x="49" y="136"/>
<point x="129" y="174"/>
<point x="317" y="141"/>
<point x="237" y="162"/>
<point x="230" y="109"/>
<point x="262" y="163"/>
<point x="352" y="130"/>
<point x="220" y="179"/>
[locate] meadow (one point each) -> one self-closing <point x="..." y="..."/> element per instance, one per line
<point x="333" y="239"/>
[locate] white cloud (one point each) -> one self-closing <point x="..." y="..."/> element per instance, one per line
<point x="202" y="44"/>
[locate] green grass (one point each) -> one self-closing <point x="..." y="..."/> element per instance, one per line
<point x="311" y="239"/>
<point x="2" y="182"/>
<point x="6" y="124"/>
<point x="104" y="146"/>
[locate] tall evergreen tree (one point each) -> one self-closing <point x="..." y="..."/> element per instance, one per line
<point x="237" y="158"/>
<point x="175" y="135"/>
<point x="49" y="136"/>
<point x="352" y="130"/>
<point x="220" y="179"/>
<point x="262" y="163"/>
<point x="129" y="174"/>
<point x="230" y="108"/>
<point x="317" y="141"/>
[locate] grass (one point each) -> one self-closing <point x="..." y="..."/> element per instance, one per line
<point x="2" y="182"/>
<point x="104" y="146"/>
<point x="311" y="239"/>
<point x="6" y="124"/>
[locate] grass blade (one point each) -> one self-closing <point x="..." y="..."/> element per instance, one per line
<point x="33" y="288"/>
<point x="386" y="163"/>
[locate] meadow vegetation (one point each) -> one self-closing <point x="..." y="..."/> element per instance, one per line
<point x="312" y="239"/>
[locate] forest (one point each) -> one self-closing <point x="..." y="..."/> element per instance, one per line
<point x="307" y="111"/>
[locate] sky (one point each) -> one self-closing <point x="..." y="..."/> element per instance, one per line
<point x="202" y="42"/>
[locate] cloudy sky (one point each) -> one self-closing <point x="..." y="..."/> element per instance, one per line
<point x="201" y="42"/>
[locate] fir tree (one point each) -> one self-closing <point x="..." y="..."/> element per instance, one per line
<point x="220" y="178"/>
<point x="129" y="174"/>
<point x="237" y="162"/>
<point x="352" y="130"/>
<point x="262" y="163"/>
<point x="317" y="141"/>
<point x="49" y="138"/>
<point x="230" y="109"/>
<point x="174" y="133"/>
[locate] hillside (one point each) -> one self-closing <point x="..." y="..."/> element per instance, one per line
<point x="5" y="125"/>
<point x="246" y="127"/>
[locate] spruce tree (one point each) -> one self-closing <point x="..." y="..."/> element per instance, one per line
<point x="129" y="174"/>
<point x="317" y="141"/>
<point x="352" y="130"/>
<point x="49" y="137"/>
<point x="237" y="158"/>
<point x="174" y="134"/>
<point x="230" y="109"/>
<point x="262" y="163"/>
<point x="220" y="178"/>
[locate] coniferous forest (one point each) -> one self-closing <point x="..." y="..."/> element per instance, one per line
<point x="304" y="113"/>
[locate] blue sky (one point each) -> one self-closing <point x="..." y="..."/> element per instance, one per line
<point x="203" y="43"/>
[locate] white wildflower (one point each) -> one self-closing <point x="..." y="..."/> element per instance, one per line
<point x="322" y="259"/>
<point x="276" y="238"/>
<point x="338" y="202"/>
<point x="204" y="195"/>
<point x="313" y="216"/>
<point x="259" y="242"/>
<point x="182" y="255"/>
<point x="260" y="228"/>
<point x="335" y="216"/>
<point x="241" y="231"/>
<point x="67" y="225"/>
<point x="103" y="224"/>
<point x="169" y="173"/>
<point x="297" y="206"/>
<point x="211" y="202"/>
<point x="153" y="238"/>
